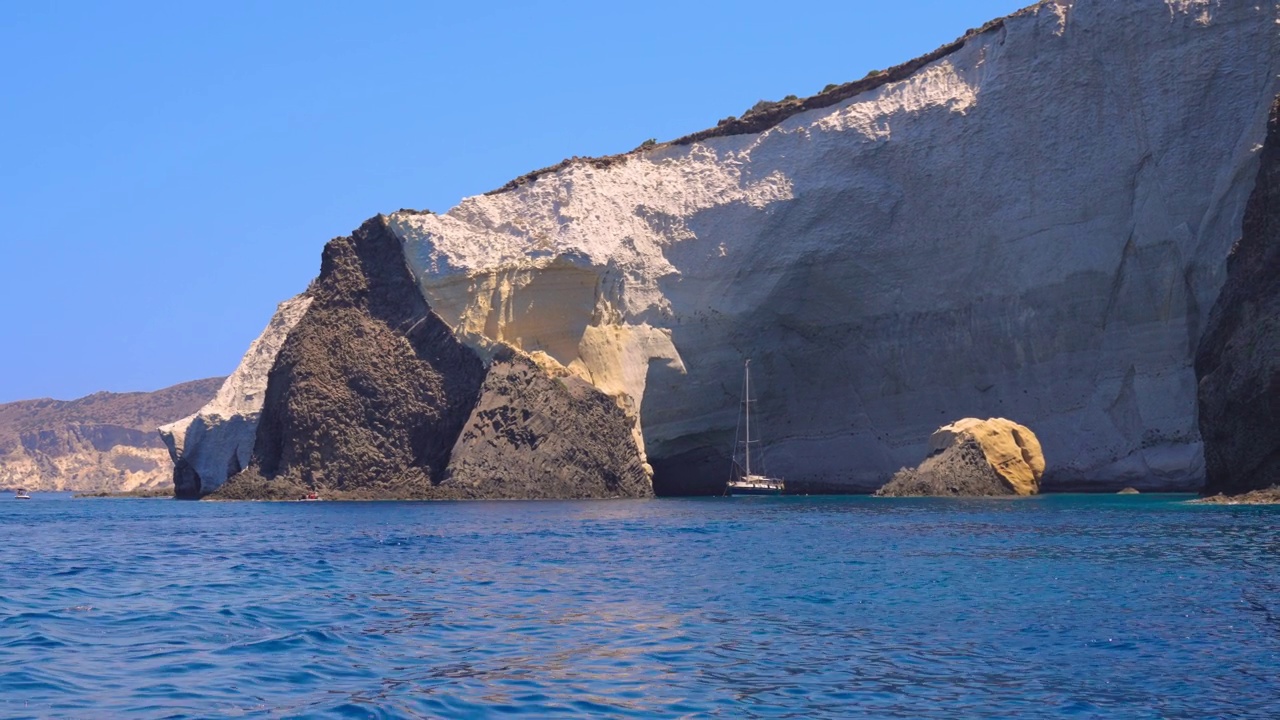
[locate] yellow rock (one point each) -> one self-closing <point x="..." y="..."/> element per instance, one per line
<point x="1012" y="449"/>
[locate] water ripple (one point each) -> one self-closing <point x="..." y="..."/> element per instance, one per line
<point x="797" y="607"/>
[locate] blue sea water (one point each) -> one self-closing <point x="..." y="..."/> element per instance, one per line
<point x="1058" y="606"/>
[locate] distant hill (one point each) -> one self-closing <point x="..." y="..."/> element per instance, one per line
<point x="105" y="441"/>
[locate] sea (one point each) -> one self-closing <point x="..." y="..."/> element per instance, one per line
<point x="1073" y="606"/>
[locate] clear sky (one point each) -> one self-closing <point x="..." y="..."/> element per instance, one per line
<point x="171" y="170"/>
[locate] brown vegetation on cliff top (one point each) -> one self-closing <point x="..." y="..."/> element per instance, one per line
<point x="765" y="114"/>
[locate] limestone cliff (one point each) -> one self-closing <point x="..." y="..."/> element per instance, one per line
<point x="102" y="442"/>
<point x="1239" y="358"/>
<point x="1032" y="225"/>
<point x="1030" y="222"/>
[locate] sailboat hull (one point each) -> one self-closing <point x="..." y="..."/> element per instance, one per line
<point x="751" y="490"/>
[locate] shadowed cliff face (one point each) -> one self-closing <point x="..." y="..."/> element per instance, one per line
<point x="371" y="388"/>
<point x="1238" y="363"/>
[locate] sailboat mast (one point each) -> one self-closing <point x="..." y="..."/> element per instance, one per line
<point x="747" y="400"/>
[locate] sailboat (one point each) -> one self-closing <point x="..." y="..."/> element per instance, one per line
<point x="748" y="483"/>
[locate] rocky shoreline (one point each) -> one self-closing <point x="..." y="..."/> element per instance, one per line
<point x="1268" y="496"/>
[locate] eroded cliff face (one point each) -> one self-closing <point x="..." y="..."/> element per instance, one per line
<point x="207" y="447"/>
<point x="1029" y="223"/>
<point x="1239" y="358"/>
<point x="105" y="442"/>
<point x="1031" y="226"/>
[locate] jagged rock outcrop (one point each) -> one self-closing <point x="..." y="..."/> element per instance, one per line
<point x="1030" y="222"/>
<point x="1238" y="362"/>
<point x="215" y="442"/>
<point x="104" y="442"/>
<point x="370" y="388"/>
<point x="537" y="435"/>
<point x="974" y="457"/>
<point x="371" y="395"/>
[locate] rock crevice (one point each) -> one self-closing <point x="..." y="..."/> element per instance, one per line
<point x="1238" y="361"/>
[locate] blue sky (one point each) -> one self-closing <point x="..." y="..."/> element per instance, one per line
<point x="172" y="170"/>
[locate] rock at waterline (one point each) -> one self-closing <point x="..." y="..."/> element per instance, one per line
<point x="974" y="458"/>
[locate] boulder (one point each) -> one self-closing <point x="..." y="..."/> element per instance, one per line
<point x="540" y="434"/>
<point x="974" y="457"/>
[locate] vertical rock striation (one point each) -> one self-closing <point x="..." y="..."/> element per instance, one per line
<point x="1238" y="362"/>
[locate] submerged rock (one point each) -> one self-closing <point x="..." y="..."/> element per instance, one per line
<point x="974" y="457"/>
<point x="1264" y="496"/>
<point x="1238" y="362"/>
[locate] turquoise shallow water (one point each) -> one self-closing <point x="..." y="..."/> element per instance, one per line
<point x="1061" y="606"/>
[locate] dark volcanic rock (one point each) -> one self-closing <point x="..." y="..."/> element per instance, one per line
<point x="370" y="389"/>
<point x="532" y="435"/>
<point x="372" y="396"/>
<point x="960" y="470"/>
<point x="1238" y="361"/>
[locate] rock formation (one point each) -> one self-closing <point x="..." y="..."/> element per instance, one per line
<point x="1239" y="358"/>
<point x="370" y="389"/>
<point x="102" y="442"/>
<point x="217" y="441"/>
<point x="974" y="457"/>
<point x="533" y="434"/>
<point x="372" y="395"/>
<point x="1030" y="222"/>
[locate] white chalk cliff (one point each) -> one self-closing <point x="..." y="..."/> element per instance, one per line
<point x="1033" y="226"/>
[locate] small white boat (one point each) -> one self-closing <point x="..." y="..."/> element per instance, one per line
<point x="749" y="483"/>
<point x="309" y="497"/>
<point x="22" y="494"/>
